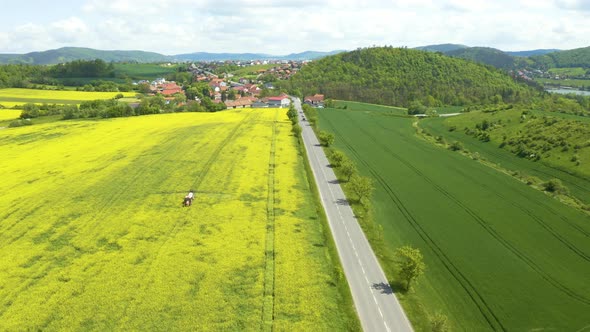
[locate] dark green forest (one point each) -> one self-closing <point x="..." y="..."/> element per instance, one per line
<point x="399" y="76"/>
<point x="490" y="56"/>
<point x="579" y="57"/>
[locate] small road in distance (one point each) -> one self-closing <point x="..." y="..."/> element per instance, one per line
<point x="376" y="305"/>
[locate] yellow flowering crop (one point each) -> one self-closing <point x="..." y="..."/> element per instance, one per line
<point x="9" y="114"/>
<point x="14" y="96"/>
<point x="93" y="235"/>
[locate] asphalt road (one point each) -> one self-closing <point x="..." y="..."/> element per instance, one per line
<point x="377" y="307"/>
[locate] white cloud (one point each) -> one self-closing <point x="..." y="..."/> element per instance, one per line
<point x="180" y="26"/>
<point x="70" y="30"/>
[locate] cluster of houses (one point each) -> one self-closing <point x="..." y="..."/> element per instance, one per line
<point x="237" y="93"/>
<point x="280" y="101"/>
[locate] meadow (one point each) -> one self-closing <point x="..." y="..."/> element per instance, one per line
<point x="568" y="162"/>
<point x="143" y="71"/>
<point x="500" y="255"/>
<point x="573" y="83"/>
<point x="14" y="96"/>
<point x="93" y="235"/>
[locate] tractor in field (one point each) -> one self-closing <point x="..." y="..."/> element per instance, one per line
<point x="188" y="199"/>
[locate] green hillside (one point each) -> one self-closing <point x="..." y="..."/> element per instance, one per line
<point x="398" y="76"/>
<point x="579" y="57"/>
<point x="488" y="56"/>
<point x="535" y="143"/>
<point x="67" y="54"/>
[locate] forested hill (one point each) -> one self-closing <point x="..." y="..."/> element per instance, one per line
<point x="489" y="56"/>
<point x="398" y="76"/>
<point x="579" y="57"/>
<point x="67" y="54"/>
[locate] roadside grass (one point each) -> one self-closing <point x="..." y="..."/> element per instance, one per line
<point x="499" y="254"/>
<point x="93" y="236"/>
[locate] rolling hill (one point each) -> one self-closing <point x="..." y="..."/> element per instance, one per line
<point x="531" y="52"/>
<point x="441" y="47"/>
<point x="488" y="56"/>
<point x="398" y="76"/>
<point x="67" y="54"/>
<point x="205" y="56"/>
<point x="579" y="57"/>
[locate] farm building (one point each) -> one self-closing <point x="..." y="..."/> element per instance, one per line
<point x="239" y="103"/>
<point x="315" y="100"/>
<point x="280" y="101"/>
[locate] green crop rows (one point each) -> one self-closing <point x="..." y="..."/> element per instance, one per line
<point x="500" y="255"/>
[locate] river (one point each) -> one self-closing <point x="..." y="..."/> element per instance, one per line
<point x="566" y="91"/>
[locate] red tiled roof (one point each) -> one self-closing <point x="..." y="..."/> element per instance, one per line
<point x="314" y="98"/>
<point x="169" y="92"/>
<point x="239" y="102"/>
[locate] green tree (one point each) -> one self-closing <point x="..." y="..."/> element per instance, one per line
<point x="337" y="158"/>
<point x="326" y="138"/>
<point x="348" y="169"/>
<point x="231" y="95"/>
<point x="179" y="98"/>
<point x="362" y="186"/>
<point x="410" y="264"/>
<point x="416" y="107"/>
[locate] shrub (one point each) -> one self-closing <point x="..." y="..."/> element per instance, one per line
<point x="439" y="323"/>
<point x="456" y="146"/>
<point x="20" y="123"/>
<point x="555" y="186"/>
<point x="29" y="111"/>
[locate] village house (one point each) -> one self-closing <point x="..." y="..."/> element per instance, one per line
<point x="316" y="100"/>
<point x="170" y="88"/>
<point x="240" y="102"/>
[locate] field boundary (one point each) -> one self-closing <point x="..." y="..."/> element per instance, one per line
<point x="269" y="246"/>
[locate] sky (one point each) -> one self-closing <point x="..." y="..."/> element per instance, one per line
<point x="282" y="27"/>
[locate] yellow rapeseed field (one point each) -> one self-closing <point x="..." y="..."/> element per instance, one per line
<point x="14" y="96"/>
<point x="9" y="114"/>
<point x="93" y="235"/>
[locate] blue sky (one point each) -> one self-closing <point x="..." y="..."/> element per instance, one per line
<point x="281" y="27"/>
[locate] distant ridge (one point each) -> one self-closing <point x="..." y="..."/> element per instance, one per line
<point x="532" y="52"/>
<point x="441" y="47"/>
<point x="205" y="56"/>
<point x="67" y="54"/>
<point x="488" y="56"/>
<point x="579" y="57"/>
